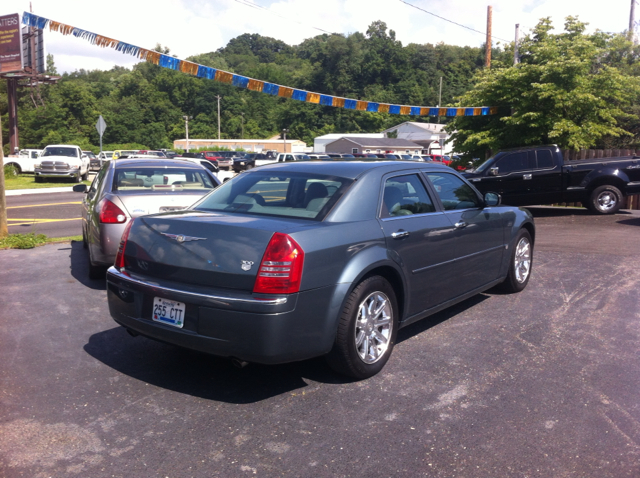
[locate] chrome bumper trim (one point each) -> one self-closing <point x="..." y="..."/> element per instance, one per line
<point x="214" y="298"/>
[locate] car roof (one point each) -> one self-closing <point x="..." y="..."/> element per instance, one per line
<point x="155" y="162"/>
<point x="350" y="169"/>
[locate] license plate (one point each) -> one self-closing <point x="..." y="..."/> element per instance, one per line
<point x="168" y="312"/>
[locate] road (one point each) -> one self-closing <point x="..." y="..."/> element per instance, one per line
<point x="56" y="214"/>
<point x="53" y="214"/>
<point x="539" y="384"/>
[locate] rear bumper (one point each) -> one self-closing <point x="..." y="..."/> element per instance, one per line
<point x="229" y="323"/>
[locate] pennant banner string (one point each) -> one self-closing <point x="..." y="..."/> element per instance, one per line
<point x="252" y="84"/>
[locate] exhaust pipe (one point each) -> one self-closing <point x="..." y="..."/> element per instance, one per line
<point x="238" y="363"/>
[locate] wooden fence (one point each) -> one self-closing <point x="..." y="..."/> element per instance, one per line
<point x="630" y="202"/>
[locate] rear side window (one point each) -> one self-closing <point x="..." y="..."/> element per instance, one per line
<point x="405" y="196"/>
<point x="301" y="195"/>
<point x="545" y="160"/>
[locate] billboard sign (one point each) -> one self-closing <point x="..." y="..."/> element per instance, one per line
<point x="33" y="55"/>
<point x="10" y="43"/>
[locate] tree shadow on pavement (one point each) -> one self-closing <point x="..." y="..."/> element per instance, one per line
<point x="79" y="266"/>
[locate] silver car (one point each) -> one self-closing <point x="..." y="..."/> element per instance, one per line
<point x="130" y="188"/>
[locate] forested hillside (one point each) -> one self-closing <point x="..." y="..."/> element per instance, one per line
<point x="573" y="88"/>
<point x="145" y="106"/>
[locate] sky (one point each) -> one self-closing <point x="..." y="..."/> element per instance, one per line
<point x="191" y="27"/>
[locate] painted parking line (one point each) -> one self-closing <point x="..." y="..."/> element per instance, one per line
<point x="42" y="205"/>
<point x="25" y="222"/>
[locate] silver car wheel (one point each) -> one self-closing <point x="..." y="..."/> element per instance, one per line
<point x="374" y="326"/>
<point x="522" y="260"/>
<point x="607" y="200"/>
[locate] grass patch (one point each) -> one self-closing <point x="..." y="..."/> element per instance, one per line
<point x="28" y="181"/>
<point x="31" y="240"/>
<point x="53" y="240"/>
<point x="23" y="241"/>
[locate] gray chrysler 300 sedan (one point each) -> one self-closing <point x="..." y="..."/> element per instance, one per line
<point x="296" y="260"/>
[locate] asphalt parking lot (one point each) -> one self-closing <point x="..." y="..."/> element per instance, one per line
<point x="539" y="384"/>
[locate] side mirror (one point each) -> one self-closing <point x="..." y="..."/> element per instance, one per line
<point x="493" y="171"/>
<point x="80" y="188"/>
<point x="492" y="199"/>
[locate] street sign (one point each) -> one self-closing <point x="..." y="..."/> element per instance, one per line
<point x="101" y="125"/>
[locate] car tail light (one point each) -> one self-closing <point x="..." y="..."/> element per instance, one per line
<point x="281" y="267"/>
<point x="120" y="262"/>
<point x="110" y="213"/>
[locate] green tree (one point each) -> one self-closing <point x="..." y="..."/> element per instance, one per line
<point x="562" y="92"/>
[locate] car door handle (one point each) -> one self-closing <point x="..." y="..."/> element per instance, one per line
<point x="399" y="234"/>
<point x="526" y="176"/>
<point x="460" y="225"/>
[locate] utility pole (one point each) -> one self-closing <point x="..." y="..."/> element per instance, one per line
<point x="218" y="117"/>
<point x="487" y="55"/>
<point x="4" y="230"/>
<point x="242" y="134"/>
<point x="632" y="21"/>
<point x="284" y="139"/>
<point x="186" y="127"/>
<point x="516" y="56"/>
<point x="440" y="98"/>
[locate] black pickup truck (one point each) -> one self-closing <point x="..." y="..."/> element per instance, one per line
<point x="539" y="175"/>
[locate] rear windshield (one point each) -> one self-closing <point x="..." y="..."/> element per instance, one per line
<point x="160" y="179"/>
<point x="70" y="152"/>
<point x="301" y="195"/>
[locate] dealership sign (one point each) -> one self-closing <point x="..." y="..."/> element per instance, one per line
<point x="10" y="43"/>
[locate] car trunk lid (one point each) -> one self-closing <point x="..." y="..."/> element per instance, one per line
<point x="205" y="249"/>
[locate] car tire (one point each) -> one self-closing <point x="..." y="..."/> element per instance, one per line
<point x="249" y="166"/>
<point x="364" y="340"/>
<point x="85" y="244"/>
<point x="605" y="200"/>
<point x="519" y="264"/>
<point x="85" y="175"/>
<point x="38" y="179"/>
<point x="78" y="178"/>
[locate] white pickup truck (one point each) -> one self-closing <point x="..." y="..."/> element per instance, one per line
<point x="62" y="161"/>
<point x="24" y="162"/>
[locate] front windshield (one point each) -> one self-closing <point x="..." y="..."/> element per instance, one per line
<point x="282" y="194"/>
<point x="60" y="151"/>
<point x="159" y="179"/>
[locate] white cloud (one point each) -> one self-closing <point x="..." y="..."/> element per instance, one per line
<point x="190" y="27"/>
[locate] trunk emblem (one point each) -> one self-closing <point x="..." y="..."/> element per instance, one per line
<point x="181" y="238"/>
<point x="246" y="265"/>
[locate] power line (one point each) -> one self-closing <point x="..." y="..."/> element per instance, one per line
<point x="249" y="3"/>
<point x="451" y="21"/>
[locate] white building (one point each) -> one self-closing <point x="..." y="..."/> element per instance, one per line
<point x="320" y="142"/>
<point x="431" y="136"/>
<point x="253" y="145"/>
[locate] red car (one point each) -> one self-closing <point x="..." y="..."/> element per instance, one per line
<point x="439" y="158"/>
